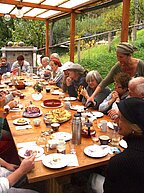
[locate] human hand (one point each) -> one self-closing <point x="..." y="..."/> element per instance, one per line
<point x="113" y="113"/>
<point x="47" y="72"/>
<point x="84" y="93"/>
<point x="115" y="95"/>
<point x="91" y="98"/>
<point x="12" y="104"/>
<point x="11" y="167"/>
<point x="27" y="165"/>
<point x="2" y="100"/>
<point x="68" y="81"/>
<point x="16" y="93"/>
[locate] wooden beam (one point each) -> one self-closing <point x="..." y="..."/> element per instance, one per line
<point x="34" y="5"/>
<point x="72" y="36"/>
<point x="47" y="38"/>
<point x="125" y="20"/>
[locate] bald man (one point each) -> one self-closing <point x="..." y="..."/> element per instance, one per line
<point x="136" y="87"/>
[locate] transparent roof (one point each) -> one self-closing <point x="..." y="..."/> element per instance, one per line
<point x="47" y="9"/>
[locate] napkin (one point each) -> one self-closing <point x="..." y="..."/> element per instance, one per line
<point x="23" y="127"/>
<point x="73" y="161"/>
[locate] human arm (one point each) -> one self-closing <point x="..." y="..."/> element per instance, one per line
<point x="7" y="165"/>
<point x="26" y="166"/>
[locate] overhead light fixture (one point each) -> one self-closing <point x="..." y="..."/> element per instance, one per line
<point x="19" y="12"/>
<point x="7" y="17"/>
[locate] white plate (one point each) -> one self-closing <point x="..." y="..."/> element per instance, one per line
<point x="32" y="115"/>
<point x="62" y="135"/>
<point x="70" y="98"/>
<point x="20" y="106"/>
<point x="42" y="105"/>
<point x="56" y="92"/>
<point x="110" y="125"/>
<point x="96" y="151"/>
<point x="3" y="85"/>
<point x="55" y="161"/>
<point x="34" y="148"/>
<point x="77" y="107"/>
<point x="98" y="114"/>
<point x="16" y="121"/>
<point x="123" y="143"/>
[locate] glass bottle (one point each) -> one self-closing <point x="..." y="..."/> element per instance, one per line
<point x="41" y="140"/>
<point x="115" y="136"/>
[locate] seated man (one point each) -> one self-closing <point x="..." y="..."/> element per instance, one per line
<point x="21" y="65"/>
<point x="4" y="66"/>
<point x="120" y="92"/>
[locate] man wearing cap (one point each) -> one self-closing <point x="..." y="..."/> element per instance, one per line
<point x="76" y="80"/>
<point x="64" y="68"/>
<point x="126" y="63"/>
<point x="124" y="173"/>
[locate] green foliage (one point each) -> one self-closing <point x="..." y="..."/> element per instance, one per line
<point x="30" y="32"/>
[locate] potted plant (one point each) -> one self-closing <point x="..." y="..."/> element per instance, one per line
<point x="38" y="87"/>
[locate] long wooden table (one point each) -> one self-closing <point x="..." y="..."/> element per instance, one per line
<point x="41" y="173"/>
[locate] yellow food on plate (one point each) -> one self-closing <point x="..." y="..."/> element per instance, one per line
<point x="21" y="121"/>
<point x="58" y="115"/>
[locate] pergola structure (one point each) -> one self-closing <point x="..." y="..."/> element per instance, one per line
<point x="52" y="10"/>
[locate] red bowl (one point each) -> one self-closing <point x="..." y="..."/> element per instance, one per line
<point x="52" y="103"/>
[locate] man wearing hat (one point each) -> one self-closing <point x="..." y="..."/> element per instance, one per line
<point x="126" y="63"/>
<point x="76" y="80"/>
<point x="125" y="171"/>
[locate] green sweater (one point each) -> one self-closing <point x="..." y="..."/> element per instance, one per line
<point x="116" y="69"/>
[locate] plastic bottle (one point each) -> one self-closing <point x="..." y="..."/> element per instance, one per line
<point x="76" y="129"/>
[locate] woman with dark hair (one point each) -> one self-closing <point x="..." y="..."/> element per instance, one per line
<point x="126" y="63"/>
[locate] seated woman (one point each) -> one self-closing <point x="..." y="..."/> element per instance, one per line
<point x="125" y="171"/>
<point x="44" y="69"/>
<point x="93" y="78"/>
<point x="76" y="80"/>
<point x="56" y="73"/>
<point x="120" y="92"/>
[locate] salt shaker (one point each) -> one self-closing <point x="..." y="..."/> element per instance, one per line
<point x="76" y="129"/>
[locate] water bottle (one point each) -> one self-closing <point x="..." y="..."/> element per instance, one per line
<point x="76" y="129"/>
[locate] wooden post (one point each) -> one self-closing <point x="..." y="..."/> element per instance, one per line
<point x="109" y="41"/>
<point x="125" y="20"/>
<point x="72" y="36"/>
<point x="78" y="49"/>
<point x="47" y="38"/>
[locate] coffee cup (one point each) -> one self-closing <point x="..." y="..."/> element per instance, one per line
<point x="104" y="139"/>
<point x="36" y="122"/>
<point x="52" y="143"/>
<point x="48" y="89"/>
<point x="22" y="96"/>
<point x="55" y="126"/>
